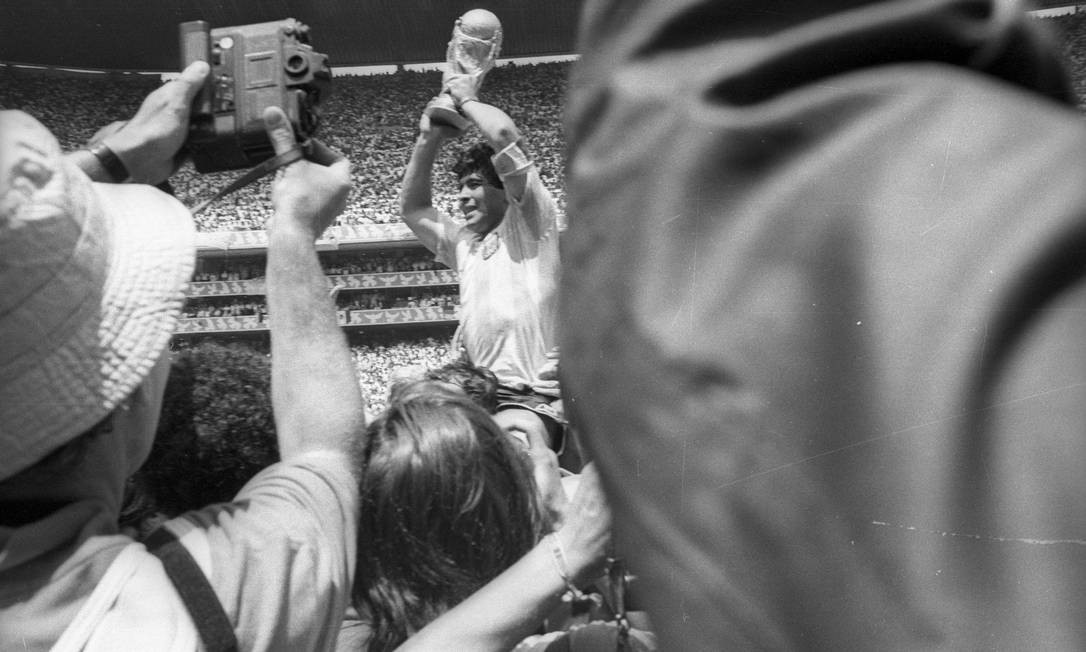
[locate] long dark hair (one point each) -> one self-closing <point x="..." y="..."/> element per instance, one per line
<point x="448" y="503"/>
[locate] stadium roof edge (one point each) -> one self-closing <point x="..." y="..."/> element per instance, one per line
<point x="373" y="69"/>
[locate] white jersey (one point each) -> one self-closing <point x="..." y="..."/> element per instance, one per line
<point x="509" y="279"/>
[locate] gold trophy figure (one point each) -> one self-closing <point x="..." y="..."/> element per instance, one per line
<point x="475" y="44"/>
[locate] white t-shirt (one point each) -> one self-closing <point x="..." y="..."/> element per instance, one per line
<point x="509" y="279"/>
<point x="280" y="558"/>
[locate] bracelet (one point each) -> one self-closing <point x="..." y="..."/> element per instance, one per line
<point x="558" y="554"/>
<point x="112" y="164"/>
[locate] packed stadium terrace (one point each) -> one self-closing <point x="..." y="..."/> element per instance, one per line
<point x="376" y="355"/>
<point x="372" y="119"/>
<point x="407" y="323"/>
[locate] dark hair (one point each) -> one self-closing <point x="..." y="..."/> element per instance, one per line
<point x="215" y="432"/>
<point x="477" y="159"/>
<point x="447" y="504"/>
<point x="55" y="465"/>
<point x="479" y="383"/>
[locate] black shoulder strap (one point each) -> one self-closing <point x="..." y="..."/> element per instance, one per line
<point x="214" y="626"/>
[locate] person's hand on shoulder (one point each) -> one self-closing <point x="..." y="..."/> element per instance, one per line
<point x="309" y="193"/>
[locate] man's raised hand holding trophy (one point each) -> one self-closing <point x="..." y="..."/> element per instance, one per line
<point x="474" y="46"/>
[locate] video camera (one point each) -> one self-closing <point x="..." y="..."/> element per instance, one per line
<point x="252" y="67"/>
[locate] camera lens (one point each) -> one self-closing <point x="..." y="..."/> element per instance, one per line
<point x="296" y="64"/>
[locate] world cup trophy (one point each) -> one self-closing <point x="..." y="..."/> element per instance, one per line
<point x="475" y="44"/>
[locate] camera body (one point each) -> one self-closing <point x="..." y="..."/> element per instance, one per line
<point x="252" y="67"/>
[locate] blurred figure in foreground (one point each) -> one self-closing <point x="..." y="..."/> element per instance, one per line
<point x="824" y="321"/>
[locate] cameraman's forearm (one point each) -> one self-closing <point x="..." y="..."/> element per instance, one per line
<point x="90" y="165"/>
<point x="316" y="397"/>
<point x="129" y="157"/>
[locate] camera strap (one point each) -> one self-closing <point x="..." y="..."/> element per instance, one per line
<point x="212" y="623"/>
<point x="270" y="165"/>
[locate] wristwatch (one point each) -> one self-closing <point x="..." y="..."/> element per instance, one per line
<point x="112" y="164"/>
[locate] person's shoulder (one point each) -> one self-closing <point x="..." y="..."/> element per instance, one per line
<point x="317" y="487"/>
<point x="315" y="470"/>
<point x="138" y="590"/>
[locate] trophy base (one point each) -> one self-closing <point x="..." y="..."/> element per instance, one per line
<point x="442" y="111"/>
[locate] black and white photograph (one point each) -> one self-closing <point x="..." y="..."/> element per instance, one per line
<point x="567" y="326"/>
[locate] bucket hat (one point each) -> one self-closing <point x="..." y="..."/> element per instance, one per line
<point x="92" y="280"/>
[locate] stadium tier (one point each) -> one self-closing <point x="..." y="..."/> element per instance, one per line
<point x="372" y="119"/>
<point x="397" y="305"/>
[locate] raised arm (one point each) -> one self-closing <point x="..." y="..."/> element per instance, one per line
<point x="495" y="125"/>
<point x="416" y="205"/>
<point x="316" y="397"/>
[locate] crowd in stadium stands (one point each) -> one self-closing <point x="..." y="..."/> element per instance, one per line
<point x="232" y="306"/>
<point x="340" y="264"/>
<point x="380" y="262"/>
<point x="420" y="263"/>
<point x="210" y="269"/>
<point x="1071" y="29"/>
<point x="376" y="355"/>
<point x="377" y="300"/>
<point x="74" y="108"/>
<point x="223" y="307"/>
<point x="372" y="119"/>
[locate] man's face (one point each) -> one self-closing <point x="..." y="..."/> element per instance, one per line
<point x="483" y="205"/>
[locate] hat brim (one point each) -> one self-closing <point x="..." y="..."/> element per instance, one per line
<point x="108" y="352"/>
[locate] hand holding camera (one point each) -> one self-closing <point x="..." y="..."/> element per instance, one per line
<point x="253" y="67"/>
<point x="309" y="193"/>
<point x="149" y="144"/>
